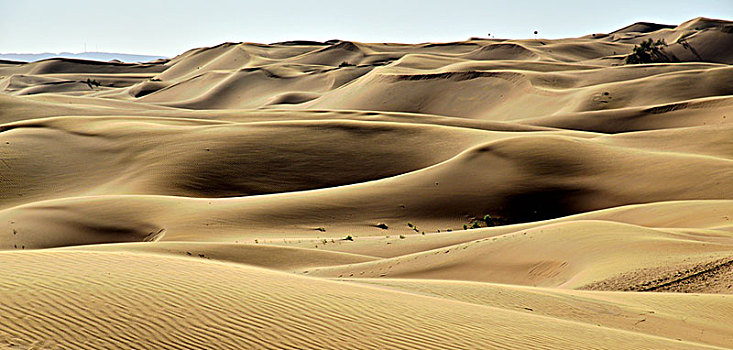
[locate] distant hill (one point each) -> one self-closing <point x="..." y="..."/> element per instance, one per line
<point x="98" y="56"/>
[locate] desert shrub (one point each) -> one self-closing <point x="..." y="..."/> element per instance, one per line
<point x="91" y="83"/>
<point x="348" y="238"/>
<point x="648" y="51"/>
<point x="487" y="219"/>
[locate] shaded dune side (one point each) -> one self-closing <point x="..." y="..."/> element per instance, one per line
<point x="113" y="300"/>
<point x="531" y="178"/>
<point x="213" y="159"/>
<point x="519" y="179"/>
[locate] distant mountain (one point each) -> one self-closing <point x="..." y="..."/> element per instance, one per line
<point x="97" y="56"/>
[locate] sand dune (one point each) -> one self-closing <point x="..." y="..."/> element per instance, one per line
<point x="164" y="302"/>
<point x="564" y="255"/>
<point x="702" y="317"/>
<point x="335" y="194"/>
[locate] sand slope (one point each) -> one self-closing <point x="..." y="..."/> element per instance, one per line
<point x="149" y="301"/>
<point x="314" y="195"/>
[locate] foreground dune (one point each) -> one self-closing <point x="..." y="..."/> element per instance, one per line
<point x="151" y="301"/>
<point x="488" y="193"/>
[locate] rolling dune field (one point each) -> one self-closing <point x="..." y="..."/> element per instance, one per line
<point x="483" y="194"/>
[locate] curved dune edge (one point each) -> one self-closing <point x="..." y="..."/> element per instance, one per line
<point x="593" y="250"/>
<point x="167" y="302"/>
<point x="572" y="254"/>
<point x="196" y="158"/>
<point x="267" y="256"/>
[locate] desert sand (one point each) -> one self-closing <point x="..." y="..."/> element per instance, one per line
<point x="314" y="195"/>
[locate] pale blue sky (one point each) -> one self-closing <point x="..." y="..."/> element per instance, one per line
<point x="169" y="27"/>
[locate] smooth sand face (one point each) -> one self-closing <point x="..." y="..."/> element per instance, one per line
<point x="204" y="201"/>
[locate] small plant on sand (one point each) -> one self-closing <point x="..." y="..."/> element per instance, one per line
<point x="648" y="51"/>
<point x="348" y="238"/>
<point x="402" y="236"/>
<point x="410" y="225"/>
<point x="322" y="229"/>
<point x="465" y="227"/>
<point x="475" y="224"/>
<point x="487" y="219"/>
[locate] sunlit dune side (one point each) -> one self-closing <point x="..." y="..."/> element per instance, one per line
<point x="703" y="317"/>
<point x="488" y="193"/>
<point x="563" y="255"/>
<point x="93" y="300"/>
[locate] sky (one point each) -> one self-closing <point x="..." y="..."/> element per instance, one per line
<point x="170" y="27"/>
